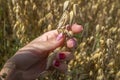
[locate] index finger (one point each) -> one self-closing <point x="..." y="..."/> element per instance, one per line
<point x="75" y="28"/>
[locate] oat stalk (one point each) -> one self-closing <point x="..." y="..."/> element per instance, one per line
<point x="67" y="18"/>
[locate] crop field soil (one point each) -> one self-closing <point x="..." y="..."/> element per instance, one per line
<point x="97" y="56"/>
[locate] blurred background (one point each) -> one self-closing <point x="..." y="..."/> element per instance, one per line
<point x="98" y="54"/>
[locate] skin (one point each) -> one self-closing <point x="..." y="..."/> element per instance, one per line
<point x="30" y="61"/>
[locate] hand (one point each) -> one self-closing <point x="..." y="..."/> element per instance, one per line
<point x="31" y="60"/>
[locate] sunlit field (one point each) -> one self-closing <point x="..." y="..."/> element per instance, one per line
<point x="97" y="56"/>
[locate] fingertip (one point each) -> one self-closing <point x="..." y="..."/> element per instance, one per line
<point x="56" y="63"/>
<point x="64" y="56"/>
<point x="59" y="37"/>
<point x="71" y="43"/>
<point x="61" y="56"/>
<point x="62" y="67"/>
<point x="76" y="28"/>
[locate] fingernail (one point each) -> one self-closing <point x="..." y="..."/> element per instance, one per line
<point x="56" y="63"/>
<point x="68" y="27"/>
<point x="59" y="37"/>
<point x="74" y="43"/>
<point x="62" y="56"/>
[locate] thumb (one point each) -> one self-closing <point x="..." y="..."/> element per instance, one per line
<point x="53" y="43"/>
<point x="26" y="54"/>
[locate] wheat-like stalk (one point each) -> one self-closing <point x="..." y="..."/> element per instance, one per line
<point x="66" y="18"/>
<point x="98" y="51"/>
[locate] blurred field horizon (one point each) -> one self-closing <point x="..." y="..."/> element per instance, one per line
<point x="97" y="56"/>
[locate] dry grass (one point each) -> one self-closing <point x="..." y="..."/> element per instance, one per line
<point x="98" y="52"/>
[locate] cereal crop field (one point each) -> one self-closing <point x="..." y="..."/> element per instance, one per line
<point x="97" y="56"/>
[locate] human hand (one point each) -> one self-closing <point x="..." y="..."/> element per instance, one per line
<point x="30" y="61"/>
